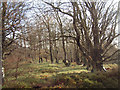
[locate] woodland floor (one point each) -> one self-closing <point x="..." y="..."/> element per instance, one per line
<point x="46" y="75"/>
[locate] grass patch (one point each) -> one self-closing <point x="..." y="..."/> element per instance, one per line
<point x="49" y="75"/>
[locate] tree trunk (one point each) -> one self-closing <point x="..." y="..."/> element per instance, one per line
<point x="46" y="59"/>
<point x="65" y="60"/>
<point x="97" y="58"/>
<point x="3" y="28"/>
<point x="56" y="57"/>
<point x="51" y="57"/>
<point x="77" y="56"/>
<point x="50" y="44"/>
<point x="39" y="49"/>
<point x="97" y="67"/>
<point x="84" y="61"/>
<point x="63" y="40"/>
<point x="88" y="65"/>
<point x="71" y="56"/>
<point x="39" y="59"/>
<point x="57" y="60"/>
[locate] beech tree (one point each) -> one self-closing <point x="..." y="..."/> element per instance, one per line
<point x="95" y="27"/>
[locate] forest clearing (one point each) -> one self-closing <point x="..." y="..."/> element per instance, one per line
<point x="46" y="75"/>
<point x="47" y="44"/>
